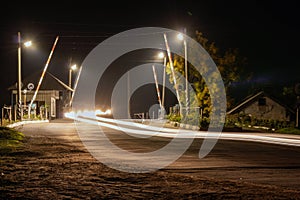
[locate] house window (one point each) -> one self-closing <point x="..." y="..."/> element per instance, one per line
<point x="53" y="107"/>
<point x="262" y="101"/>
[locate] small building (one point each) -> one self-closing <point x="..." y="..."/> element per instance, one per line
<point x="51" y="99"/>
<point x="262" y="106"/>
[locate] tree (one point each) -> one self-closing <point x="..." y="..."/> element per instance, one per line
<point x="230" y="64"/>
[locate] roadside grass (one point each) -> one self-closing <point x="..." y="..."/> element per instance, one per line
<point x="289" y="131"/>
<point x="10" y="139"/>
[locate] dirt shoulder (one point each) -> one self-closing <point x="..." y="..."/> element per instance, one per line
<point x="52" y="168"/>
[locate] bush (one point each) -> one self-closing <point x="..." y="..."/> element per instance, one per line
<point x="174" y="117"/>
<point x="241" y="120"/>
<point x="289" y="130"/>
<point x="9" y="138"/>
<point x="192" y="119"/>
<point x="10" y="134"/>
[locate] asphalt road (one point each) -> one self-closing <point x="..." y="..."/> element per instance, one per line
<point x="252" y="162"/>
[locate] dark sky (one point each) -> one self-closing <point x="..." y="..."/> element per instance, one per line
<point x="266" y="32"/>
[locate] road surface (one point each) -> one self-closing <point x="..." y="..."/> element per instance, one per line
<point x="56" y="164"/>
<point x="243" y="161"/>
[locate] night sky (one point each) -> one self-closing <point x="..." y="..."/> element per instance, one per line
<point x="266" y="33"/>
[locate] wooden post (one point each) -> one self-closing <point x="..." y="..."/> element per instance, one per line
<point x="15" y="112"/>
<point x="2" y="117"/>
<point x="297" y="118"/>
<point x="10" y="118"/>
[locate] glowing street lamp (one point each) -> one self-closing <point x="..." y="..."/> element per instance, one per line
<point x="74" y="67"/>
<point x="180" y="36"/>
<point x="161" y="55"/>
<point x="28" y="44"/>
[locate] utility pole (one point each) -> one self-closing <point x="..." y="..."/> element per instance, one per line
<point x="75" y="86"/>
<point x="128" y="94"/>
<point x="157" y="89"/>
<point x="297" y="112"/>
<point x="297" y="91"/>
<point x="19" y="84"/>
<point x="164" y="86"/>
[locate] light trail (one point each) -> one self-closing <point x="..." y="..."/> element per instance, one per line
<point x="179" y="133"/>
<point x="91" y="115"/>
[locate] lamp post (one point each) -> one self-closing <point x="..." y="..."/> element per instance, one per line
<point x="181" y="37"/>
<point x="297" y="112"/>
<point x="157" y="88"/>
<point x="161" y="55"/>
<point x="75" y="86"/>
<point x="19" y="105"/>
<point x="297" y="92"/>
<point x="72" y="68"/>
<point x="19" y="82"/>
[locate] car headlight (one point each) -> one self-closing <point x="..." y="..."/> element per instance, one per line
<point x="100" y="112"/>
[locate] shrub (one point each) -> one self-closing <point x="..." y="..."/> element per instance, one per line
<point x="10" y="139"/>
<point x="7" y="133"/>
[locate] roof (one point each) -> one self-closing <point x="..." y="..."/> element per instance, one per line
<point x="49" y="82"/>
<point x="250" y="99"/>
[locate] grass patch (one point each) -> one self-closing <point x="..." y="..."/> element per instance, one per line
<point x="10" y="138"/>
<point x="289" y="131"/>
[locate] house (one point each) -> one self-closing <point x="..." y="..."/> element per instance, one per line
<point x="262" y="106"/>
<point x="51" y="99"/>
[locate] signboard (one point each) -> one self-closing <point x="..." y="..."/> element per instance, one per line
<point x="30" y="86"/>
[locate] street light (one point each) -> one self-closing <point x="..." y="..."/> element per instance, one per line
<point x="161" y="55"/>
<point x="75" y="86"/>
<point x="72" y="68"/>
<point x="19" y="86"/>
<point x="28" y="44"/>
<point x="157" y="89"/>
<point x="181" y="37"/>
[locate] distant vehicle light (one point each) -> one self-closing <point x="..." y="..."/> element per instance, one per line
<point x="108" y="112"/>
<point x="101" y="113"/>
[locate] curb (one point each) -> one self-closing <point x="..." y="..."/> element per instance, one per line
<point x="26" y="122"/>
